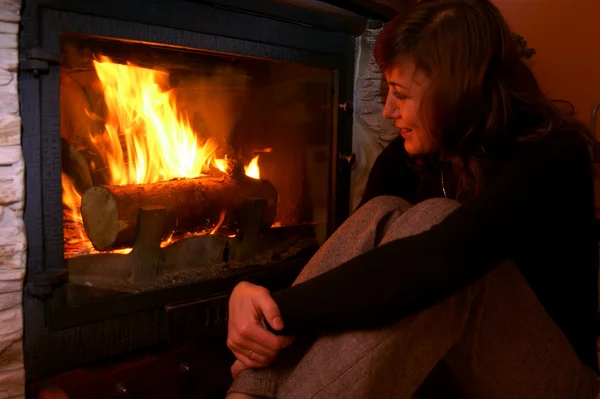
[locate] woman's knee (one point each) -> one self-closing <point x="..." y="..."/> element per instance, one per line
<point x="385" y="203"/>
<point x="436" y="209"/>
<point x="419" y="218"/>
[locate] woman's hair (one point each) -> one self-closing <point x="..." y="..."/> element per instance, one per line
<point x="482" y="98"/>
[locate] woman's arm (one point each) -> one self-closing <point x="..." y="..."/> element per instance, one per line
<point x="539" y="187"/>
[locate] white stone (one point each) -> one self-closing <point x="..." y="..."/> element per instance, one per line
<point x="6" y="77"/>
<point x="11" y="327"/>
<point x="370" y="131"/>
<point x="10" y="299"/>
<point x="17" y="206"/>
<point x="10" y="275"/>
<point x="9" y="27"/>
<point x="11" y="175"/>
<point x="10" y="155"/>
<point x="9" y="58"/>
<point x="9" y="103"/>
<point x="13" y="365"/>
<point x="8" y="16"/>
<point x="10" y="319"/>
<point x="10" y="217"/>
<point x="12" y="6"/>
<point x="10" y="130"/>
<point x="12" y="257"/>
<point x="8" y="40"/>
<point x="11" y="187"/>
<point x="12" y="357"/>
<point x="10" y="235"/>
<point x="10" y="89"/>
<point x="10" y="286"/>
<point x="12" y="383"/>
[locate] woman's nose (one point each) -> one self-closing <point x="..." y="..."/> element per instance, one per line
<point x="390" y="109"/>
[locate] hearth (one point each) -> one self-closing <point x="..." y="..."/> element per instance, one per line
<point x="172" y="149"/>
<point x="176" y="163"/>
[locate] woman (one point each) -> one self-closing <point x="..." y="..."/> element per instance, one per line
<point x="499" y="285"/>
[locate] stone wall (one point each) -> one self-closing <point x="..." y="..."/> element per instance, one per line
<point x="12" y="232"/>
<point x="371" y="132"/>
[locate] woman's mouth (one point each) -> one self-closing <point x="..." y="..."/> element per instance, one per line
<point x="405" y="132"/>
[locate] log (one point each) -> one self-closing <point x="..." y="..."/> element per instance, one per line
<point x="75" y="166"/>
<point x="146" y="250"/>
<point x="110" y="213"/>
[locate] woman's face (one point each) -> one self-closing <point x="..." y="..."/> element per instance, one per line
<point x="407" y="87"/>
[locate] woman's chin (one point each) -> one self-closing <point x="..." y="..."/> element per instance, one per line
<point x="411" y="149"/>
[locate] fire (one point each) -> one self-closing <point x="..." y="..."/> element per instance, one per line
<point x="252" y="169"/>
<point x="72" y="206"/>
<point x="220" y="222"/>
<point x="146" y="138"/>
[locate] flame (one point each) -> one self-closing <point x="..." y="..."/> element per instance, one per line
<point x="72" y="208"/>
<point x="252" y="169"/>
<point x="223" y="165"/>
<point x="147" y="139"/>
<point x="71" y="199"/>
<point x="220" y="222"/>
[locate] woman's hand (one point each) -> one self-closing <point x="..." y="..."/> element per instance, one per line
<point x="251" y="343"/>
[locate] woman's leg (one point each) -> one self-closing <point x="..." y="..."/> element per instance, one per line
<point x="362" y="231"/>
<point x="392" y="362"/>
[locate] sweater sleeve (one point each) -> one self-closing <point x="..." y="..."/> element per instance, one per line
<point x="409" y="274"/>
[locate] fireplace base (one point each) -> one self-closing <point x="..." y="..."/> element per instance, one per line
<point x="197" y="371"/>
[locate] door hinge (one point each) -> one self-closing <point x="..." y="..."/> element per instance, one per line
<point x="37" y="60"/>
<point x="42" y="284"/>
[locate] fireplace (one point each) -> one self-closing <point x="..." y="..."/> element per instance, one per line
<point x="174" y="148"/>
<point x="178" y="164"/>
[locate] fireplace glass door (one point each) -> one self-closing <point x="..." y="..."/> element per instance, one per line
<point x="180" y="165"/>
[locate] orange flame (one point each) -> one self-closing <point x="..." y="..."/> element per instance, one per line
<point x="146" y="138"/>
<point x="220" y="222"/>
<point x="252" y="169"/>
<point x="72" y="207"/>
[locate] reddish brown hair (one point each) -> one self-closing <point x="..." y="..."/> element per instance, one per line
<point x="483" y="98"/>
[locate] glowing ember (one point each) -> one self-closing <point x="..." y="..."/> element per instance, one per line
<point x="252" y="169"/>
<point x="168" y="240"/>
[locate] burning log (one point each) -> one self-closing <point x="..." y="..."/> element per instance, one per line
<point x="110" y="213"/>
<point x="75" y="166"/>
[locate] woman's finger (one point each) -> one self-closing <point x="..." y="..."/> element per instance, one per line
<point x="251" y="359"/>
<point x="257" y="333"/>
<point x="237" y="368"/>
<point x="269" y="310"/>
<point x="242" y="344"/>
<point x="257" y="359"/>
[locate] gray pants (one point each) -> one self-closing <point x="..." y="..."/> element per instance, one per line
<point x="495" y="336"/>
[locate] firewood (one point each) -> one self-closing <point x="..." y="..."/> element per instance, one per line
<point x="75" y="166"/>
<point x="110" y="213"/>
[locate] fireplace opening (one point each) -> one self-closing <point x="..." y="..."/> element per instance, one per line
<point x="180" y="165"/>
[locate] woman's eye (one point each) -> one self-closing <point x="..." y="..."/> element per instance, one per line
<point x="383" y="93"/>
<point x="400" y="96"/>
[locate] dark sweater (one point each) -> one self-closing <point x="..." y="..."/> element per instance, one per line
<point x="538" y="211"/>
